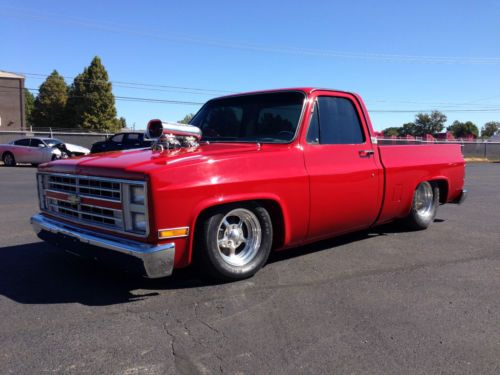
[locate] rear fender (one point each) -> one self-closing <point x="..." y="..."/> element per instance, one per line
<point x="443" y="181"/>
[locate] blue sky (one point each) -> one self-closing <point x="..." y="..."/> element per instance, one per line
<point x="360" y="46"/>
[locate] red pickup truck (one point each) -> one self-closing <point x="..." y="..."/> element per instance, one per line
<point x="273" y="170"/>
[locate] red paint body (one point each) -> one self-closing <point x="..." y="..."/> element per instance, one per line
<point x="321" y="190"/>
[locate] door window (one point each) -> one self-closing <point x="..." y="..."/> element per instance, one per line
<point x="133" y="138"/>
<point x="22" y="142"/>
<point x="117" y="138"/>
<point x="335" y="121"/>
<point x="35" y="142"/>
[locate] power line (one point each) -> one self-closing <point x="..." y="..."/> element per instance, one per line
<point x="180" y="102"/>
<point x="134" y="84"/>
<point x="54" y="18"/>
<point x="125" y="98"/>
<point x="152" y="87"/>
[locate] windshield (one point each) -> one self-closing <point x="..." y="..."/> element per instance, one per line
<point x="51" y="142"/>
<point x="266" y="118"/>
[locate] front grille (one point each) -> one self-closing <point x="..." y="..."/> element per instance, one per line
<point x="90" y="214"/>
<point x="91" y="200"/>
<point x="85" y="186"/>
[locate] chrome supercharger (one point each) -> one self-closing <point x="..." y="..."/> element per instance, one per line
<point x="172" y="135"/>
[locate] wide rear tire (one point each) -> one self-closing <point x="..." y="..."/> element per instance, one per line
<point x="235" y="241"/>
<point x="424" y="206"/>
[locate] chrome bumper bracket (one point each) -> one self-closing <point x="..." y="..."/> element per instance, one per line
<point x="462" y="197"/>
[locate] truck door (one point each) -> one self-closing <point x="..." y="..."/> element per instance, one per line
<point x="343" y="172"/>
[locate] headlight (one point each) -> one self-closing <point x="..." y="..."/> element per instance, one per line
<point x="137" y="194"/>
<point x="135" y="208"/>
<point x="139" y="222"/>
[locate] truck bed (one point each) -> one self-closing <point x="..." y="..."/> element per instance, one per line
<point x="406" y="165"/>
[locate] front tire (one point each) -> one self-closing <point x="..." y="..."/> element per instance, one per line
<point x="9" y="160"/>
<point x="235" y="241"/>
<point x="424" y="206"/>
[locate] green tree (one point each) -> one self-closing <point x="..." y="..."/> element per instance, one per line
<point x="29" y="105"/>
<point x="408" y="129"/>
<point x="91" y="102"/>
<point x="50" y="105"/>
<point x="432" y="123"/>
<point x="463" y="129"/>
<point x="489" y="129"/>
<point x="186" y="118"/>
<point x="122" y="123"/>
<point x="392" y="131"/>
<point x="425" y="123"/>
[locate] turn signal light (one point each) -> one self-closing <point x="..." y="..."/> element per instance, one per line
<point x="173" y="232"/>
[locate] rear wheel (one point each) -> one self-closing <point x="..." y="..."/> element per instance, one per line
<point x="235" y="241"/>
<point x="424" y="206"/>
<point x="9" y="160"/>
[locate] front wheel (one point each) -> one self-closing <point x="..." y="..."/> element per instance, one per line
<point x="424" y="206"/>
<point x="235" y="241"/>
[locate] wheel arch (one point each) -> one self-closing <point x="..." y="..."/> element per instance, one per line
<point x="443" y="186"/>
<point x="272" y="204"/>
<point x="440" y="181"/>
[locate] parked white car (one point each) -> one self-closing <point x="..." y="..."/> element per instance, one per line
<point x="38" y="150"/>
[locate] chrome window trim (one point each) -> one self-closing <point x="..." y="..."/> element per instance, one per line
<point x="315" y="104"/>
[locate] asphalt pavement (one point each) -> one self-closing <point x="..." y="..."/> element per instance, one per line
<point x="383" y="301"/>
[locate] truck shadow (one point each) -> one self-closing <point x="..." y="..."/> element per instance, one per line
<point x="36" y="273"/>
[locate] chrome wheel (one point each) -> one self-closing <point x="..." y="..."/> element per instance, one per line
<point x="424" y="200"/>
<point x="239" y="236"/>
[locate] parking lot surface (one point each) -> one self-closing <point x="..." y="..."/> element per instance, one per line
<point x="382" y="301"/>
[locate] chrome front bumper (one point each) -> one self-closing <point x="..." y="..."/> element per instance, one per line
<point x="155" y="260"/>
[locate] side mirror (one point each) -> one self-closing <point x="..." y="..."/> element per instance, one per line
<point x="41" y="145"/>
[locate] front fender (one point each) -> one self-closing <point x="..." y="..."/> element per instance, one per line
<point x="212" y="202"/>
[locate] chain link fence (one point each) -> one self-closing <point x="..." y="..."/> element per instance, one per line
<point x="473" y="150"/>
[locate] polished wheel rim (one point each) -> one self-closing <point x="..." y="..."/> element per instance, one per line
<point x="424" y="199"/>
<point x="238" y="237"/>
<point x="8" y="160"/>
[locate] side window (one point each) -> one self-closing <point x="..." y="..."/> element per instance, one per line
<point x="117" y="138"/>
<point x="133" y="138"/>
<point x="35" y="142"/>
<point x="313" y="132"/>
<point x="338" y="122"/>
<point x="22" y="142"/>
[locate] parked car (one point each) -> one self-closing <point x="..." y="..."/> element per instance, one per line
<point x="67" y="149"/>
<point x="273" y="170"/>
<point x="122" y="141"/>
<point x="38" y="150"/>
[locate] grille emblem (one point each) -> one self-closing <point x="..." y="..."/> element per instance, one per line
<point x="73" y="199"/>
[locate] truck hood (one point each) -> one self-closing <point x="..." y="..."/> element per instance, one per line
<point x="136" y="163"/>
